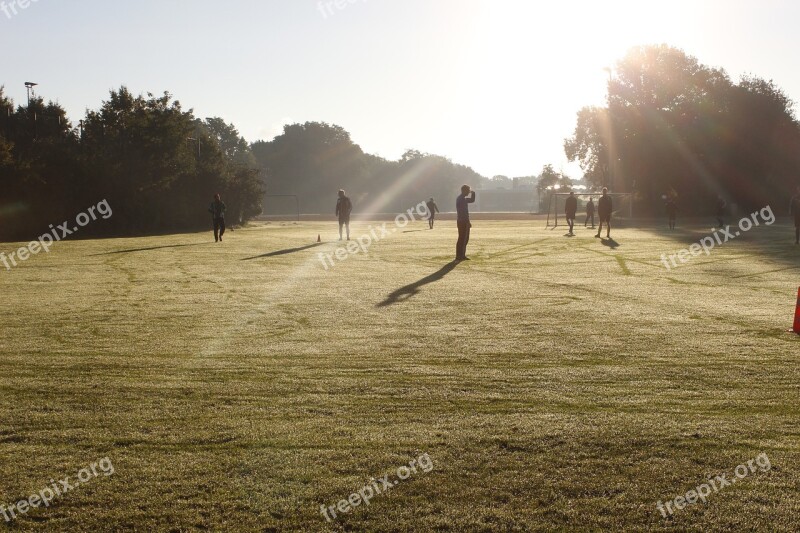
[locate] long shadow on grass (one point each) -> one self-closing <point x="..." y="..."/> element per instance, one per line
<point x="134" y="250"/>
<point x="774" y="242"/>
<point x="284" y="252"/>
<point x="404" y="293"/>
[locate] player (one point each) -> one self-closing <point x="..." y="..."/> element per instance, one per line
<point x="589" y="213"/>
<point x="672" y="211"/>
<point x="604" y="209"/>
<point x="796" y="212"/>
<point x="464" y="225"/>
<point x="343" y="209"/>
<point x="217" y="210"/>
<point x="571" y="210"/>
<point x="721" y="206"/>
<point x="432" y="210"/>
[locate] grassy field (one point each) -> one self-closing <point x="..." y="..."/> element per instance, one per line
<point x="555" y="383"/>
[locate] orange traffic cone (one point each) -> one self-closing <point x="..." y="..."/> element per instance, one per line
<point x="319" y="238"/>
<point x="797" y="315"/>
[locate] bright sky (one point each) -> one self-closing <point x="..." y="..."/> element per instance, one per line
<point x="493" y="84"/>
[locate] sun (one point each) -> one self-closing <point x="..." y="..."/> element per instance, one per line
<point x="524" y="64"/>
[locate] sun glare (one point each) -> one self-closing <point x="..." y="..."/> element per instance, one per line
<point x="540" y="63"/>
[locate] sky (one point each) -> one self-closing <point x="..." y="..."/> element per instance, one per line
<point x="492" y="84"/>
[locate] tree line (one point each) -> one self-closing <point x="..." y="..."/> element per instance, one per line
<point x="156" y="165"/>
<point x="675" y="127"/>
<point x="314" y="160"/>
<point x="671" y="127"/>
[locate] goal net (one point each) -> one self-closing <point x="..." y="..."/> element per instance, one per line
<point x="622" y="205"/>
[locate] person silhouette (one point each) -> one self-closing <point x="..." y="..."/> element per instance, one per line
<point x="604" y="208"/>
<point x="589" y="213"/>
<point x="432" y="210"/>
<point x="343" y="209"/>
<point x="672" y="212"/>
<point x="721" y="206"/>
<point x="217" y="210"/>
<point x="464" y="224"/>
<point x="571" y="209"/>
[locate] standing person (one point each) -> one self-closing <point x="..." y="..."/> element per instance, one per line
<point x="464" y="225"/>
<point x="571" y="209"/>
<point x="721" y="206"/>
<point x="343" y="209"/>
<point x="217" y="210"/>
<point x="796" y="212"/>
<point x="432" y="210"/>
<point x="589" y="213"/>
<point x="672" y="211"/>
<point x="604" y="209"/>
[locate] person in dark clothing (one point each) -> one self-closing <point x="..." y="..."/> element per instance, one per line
<point x="721" y="206"/>
<point x="343" y="209"/>
<point x="571" y="210"/>
<point x="464" y="226"/>
<point x="604" y="209"/>
<point x="432" y="210"/>
<point x="672" y="212"/>
<point x="589" y="213"/>
<point x="796" y="212"/>
<point x="217" y="210"/>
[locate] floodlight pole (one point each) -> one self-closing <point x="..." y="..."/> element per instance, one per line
<point x="29" y="85"/>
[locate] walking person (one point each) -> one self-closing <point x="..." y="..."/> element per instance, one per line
<point x="589" y="213"/>
<point x="796" y="212"/>
<point x="217" y="210"/>
<point x="604" y="208"/>
<point x="672" y="211"/>
<point x="464" y="226"/>
<point x="721" y="207"/>
<point x="432" y="210"/>
<point x="343" y="209"/>
<point x="571" y="210"/>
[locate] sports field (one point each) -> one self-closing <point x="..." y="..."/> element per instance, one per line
<point x="554" y="383"/>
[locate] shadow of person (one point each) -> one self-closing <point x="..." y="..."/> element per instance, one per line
<point x="284" y="252"/>
<point x="151" y="248"/>
<point x="404" y="293"/>
<point x="611" y="243"/>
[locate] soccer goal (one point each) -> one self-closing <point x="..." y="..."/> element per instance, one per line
<point x="622" y="204"/>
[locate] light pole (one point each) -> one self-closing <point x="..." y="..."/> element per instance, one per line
<point x="610" y="168"/>
<point x="29" y="85"/>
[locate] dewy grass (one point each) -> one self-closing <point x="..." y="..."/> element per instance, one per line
<point x="554" y="386"/>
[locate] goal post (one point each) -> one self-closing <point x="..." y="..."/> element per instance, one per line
<point x="622" y="205"/>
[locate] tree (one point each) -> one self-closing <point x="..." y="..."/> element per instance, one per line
<point x="314" y="160"/>
<point x="672" y="123"/>
<point x="548" y="179"/>
<point x="135" y="152"/>
<point x="233" y="145"/>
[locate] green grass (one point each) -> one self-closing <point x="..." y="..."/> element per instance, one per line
<point x="556" y="384"/>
